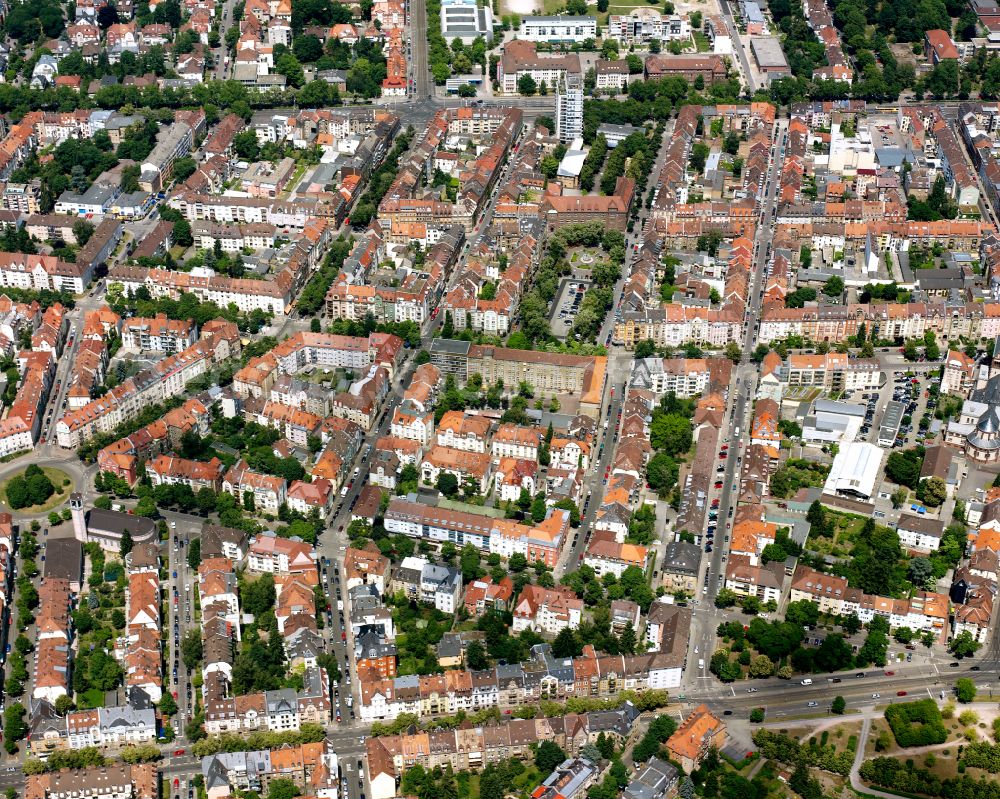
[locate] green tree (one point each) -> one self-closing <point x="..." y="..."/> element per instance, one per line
<point x="283" y="788"/>
<point x="964" y="645"/>
<point x="167" y="704"/>
<point x="191" y="649"/>
<point x="447" y="484"/>
<point x="965" y="690"/>
<point x="566" y="644"/>
<point x="539" y="509"/>
<point x="194" y="553"/>
<point x="838" y="706"/>
<point x="126" y="544"/>
<point x="932" y="491"/>
<point x="475" y="656"/>
<point x="834" y="287"/>
<point x="548" y="756"/>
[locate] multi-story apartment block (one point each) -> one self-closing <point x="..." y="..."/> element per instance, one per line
<point x="547" y="610"/>
<point x="268" y="492"/>
<point x="269" y="554"/>
<point x="168" y="378"/>
<point x="925" y="611"/>
<point x="501" y="536"/>
<point x="959" y="374"/>
<point x="158" y="334"/>
<point x="512" y="441"/>
<point x="643" y="25"/>
<point x="114" y="781"/>
<point x="685" y="377"/>
<point x="171" y="470"/>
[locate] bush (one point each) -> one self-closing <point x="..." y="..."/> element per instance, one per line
<point x="982" y="755"/>
<point x="916" y="723"/>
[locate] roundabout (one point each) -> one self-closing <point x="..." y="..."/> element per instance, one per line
<point x="33" y="489"/>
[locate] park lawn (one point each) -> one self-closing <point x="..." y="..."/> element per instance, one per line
<point x="528" y="780"/>
<point x="701" y="42"/>
<point x="846" y="529"/>
<point x="843" y="737"/>
<point x="57" y="476"/>
<point x="91" y="698"/>
<point x="626" y="7"/>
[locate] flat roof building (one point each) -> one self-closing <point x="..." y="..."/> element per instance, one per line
<point x="558" y="29"/>
<point x="855" y="472"/>
<point x="769" y="56"/>
<point x="891" y="421"/>
<point x="466" y="20"/>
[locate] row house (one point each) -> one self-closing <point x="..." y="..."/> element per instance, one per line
<point x="512" y="685"/>
<point x="54" y="634"/>
<point x="172" y="470"/>
<point x="312" y="768"/>
<point x="168" y="378"/>
<point x="283" y="710"/>
<point x="117" y="780"/>
<point x="504" y="537"/>
<point x="476" y="747"/>
<point x="122" y="458"/>
<point x="110" y="726"/>
<point x="217" y="588"/>
<point x="924" y="611"/>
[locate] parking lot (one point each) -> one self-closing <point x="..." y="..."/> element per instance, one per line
<point x="566" y="305"/>
<point x="911" y="391"/>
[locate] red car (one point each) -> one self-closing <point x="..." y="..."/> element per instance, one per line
<point x="900" y="693"/>
<point x="890" y="673"/>
<point x="343" y="635"/>
<point x="178" y="752"/>
<point x="177" y="782"/>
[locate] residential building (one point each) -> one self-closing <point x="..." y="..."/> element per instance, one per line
<point x="557" y="30"/>
<point x="569" y="106"/>
<point x="700" y="732"/>
<point x="547" y="610"/>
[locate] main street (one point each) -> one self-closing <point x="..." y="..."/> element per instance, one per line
<point x="745" y="383"/>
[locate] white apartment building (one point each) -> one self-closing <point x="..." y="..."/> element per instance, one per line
<point x="644" y="25"/>
<point x="157" y="334"/>
<point x="411" y="423"/>
<point x="558" y="30"/>
<point x="920" y="532"/>
<point x="569" y="108"/>
<point x="512" y="441"/>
